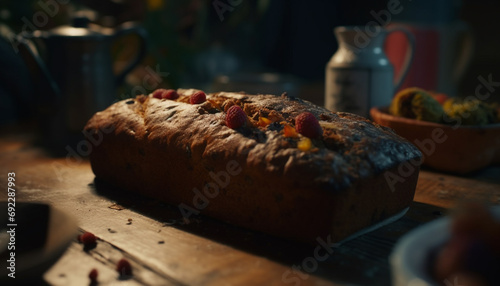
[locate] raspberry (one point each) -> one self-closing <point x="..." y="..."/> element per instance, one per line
<point x="170" y="94"/>
<point x="165" y="94"/>
<point x="93" y="275"/>
<point x="87" y="239"/>
<point x="198" y="97"/>
<point x="157" y="93"/>
<point x="307" y="125"/>
<point x="123" y="267"/>
<point x="235" y="117"/>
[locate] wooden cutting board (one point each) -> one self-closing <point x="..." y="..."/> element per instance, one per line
<point x="165" y="250"/>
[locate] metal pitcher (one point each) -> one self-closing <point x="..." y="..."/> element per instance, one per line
<point x="79" y="68"/>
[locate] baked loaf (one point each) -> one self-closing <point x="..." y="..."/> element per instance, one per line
<point x="259" y="175"/>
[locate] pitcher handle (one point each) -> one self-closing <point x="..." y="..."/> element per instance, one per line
<point x="465" y="54"/>
<point x="128" y="29"/>
<point x="23" y="40"/>
<point x="408" y="58"/>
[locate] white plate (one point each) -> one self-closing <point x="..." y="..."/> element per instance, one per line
<point x="410" y="258"/>
<point x="42" y="235"/>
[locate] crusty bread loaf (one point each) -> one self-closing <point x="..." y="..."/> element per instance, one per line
<point x="254" y="176"/>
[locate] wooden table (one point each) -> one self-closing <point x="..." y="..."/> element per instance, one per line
<point x="164" y="250"/>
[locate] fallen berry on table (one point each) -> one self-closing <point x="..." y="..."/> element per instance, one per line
<point x="87" y="239"/>
<point x="123" y="267"/>
<point x="93" y="275"/>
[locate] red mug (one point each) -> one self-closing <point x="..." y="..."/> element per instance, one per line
<point x="442" y="53"/>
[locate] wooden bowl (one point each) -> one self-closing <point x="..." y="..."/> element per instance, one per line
<point x="449" y="148"/>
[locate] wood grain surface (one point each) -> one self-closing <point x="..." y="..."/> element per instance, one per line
<point x="165" y="250"/>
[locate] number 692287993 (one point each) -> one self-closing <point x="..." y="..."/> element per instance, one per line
<point x="11" y="192"/>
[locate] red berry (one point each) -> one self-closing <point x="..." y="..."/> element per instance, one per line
<point x="162" y="93"/>
<point x="157" y="93"/>
<point x="307" y="125"/>
<point x="170" y="94"/>
<point x="93" y="275"/>
<point x="123" y="267"/>
<point x="198" y="97"/>
<point x="87" y="238"/>
<point x="235" y="117"/>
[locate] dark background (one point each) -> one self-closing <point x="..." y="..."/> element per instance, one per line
<point x="190" y="41"/>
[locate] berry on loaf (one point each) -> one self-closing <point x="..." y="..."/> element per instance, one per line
<point x="275" y="164"/>
<point x="165" y="94"/>
<point x="308" y="125"/>
<point x="198" y="97"/>
<point x="158" y="93"/>
<point x="235" y="117"/>
<point x="170" y="94"/>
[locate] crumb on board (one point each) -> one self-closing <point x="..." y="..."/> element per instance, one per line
<point x="170" y="222"/>
<point x="116" y="206"/>
<point x="111" y="230"/>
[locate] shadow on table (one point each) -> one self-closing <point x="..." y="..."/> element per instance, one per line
<point x="363" y="260"/>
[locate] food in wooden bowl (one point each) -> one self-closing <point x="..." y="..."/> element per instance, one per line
<point x="459" y="250"/>
<point x="275" y="164"/>
<point x="444" y="134"/>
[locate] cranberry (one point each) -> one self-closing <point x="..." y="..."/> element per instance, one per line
<point x="198" y="97"/>
<point x="307" y="125"/>
<point x="93" y="275"/>
<point x="157" y="93"/>
<point x="235" y="117"/>
<point x="170" y="94"/>
<point x="87" y="239"/>
<point x="123" y="267"/>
